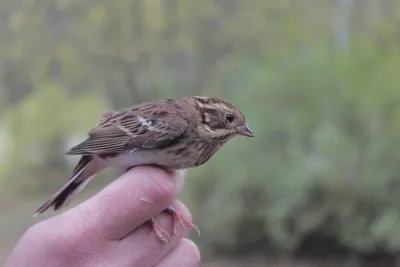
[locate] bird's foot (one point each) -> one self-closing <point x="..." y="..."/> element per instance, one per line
<point x="182" y="219"/>
<point x="160" y="233"/>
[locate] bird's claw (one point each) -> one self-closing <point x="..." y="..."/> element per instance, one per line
<point x="159" y="232"/>
<point x="183" y="220"/>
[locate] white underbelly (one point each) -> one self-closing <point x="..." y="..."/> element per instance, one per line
<point x="127" y="160"/>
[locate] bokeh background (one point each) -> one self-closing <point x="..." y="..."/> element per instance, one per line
<point x="317" y="79"/>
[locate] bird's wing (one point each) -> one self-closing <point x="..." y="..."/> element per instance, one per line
<point x="133" y="129"/>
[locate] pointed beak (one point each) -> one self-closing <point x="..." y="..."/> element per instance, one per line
<point x="245" y="131"/>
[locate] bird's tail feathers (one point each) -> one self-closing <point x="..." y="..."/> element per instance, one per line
<point x="83" y="173"/>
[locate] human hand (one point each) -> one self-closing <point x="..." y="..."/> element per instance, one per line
<point x="110" y="228"/>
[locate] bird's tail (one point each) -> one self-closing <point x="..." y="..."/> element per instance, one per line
<point x="81" y="176"/>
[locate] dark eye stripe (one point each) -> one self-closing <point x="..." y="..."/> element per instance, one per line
<point x="212" y="115"/>
<point x="211" y="112"/>
<point x="213" y="118"/>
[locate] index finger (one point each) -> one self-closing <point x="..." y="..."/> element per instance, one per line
<point x="119" y="208"/>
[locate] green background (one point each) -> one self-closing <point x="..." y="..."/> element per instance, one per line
<point x="318" y="81"/>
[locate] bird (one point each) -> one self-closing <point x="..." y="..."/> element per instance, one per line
<point x="173" y="134"/>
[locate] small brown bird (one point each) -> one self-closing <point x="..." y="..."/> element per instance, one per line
<point x="173" y="134"/>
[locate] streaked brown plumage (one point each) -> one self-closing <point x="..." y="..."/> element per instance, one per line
<point x="173" y="134"/>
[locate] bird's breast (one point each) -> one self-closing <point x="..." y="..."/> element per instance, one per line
<point x="180" y="156"/>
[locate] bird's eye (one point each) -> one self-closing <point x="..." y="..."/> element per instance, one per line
<point x="229" y="117"/>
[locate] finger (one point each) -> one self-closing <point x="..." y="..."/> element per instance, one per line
<point x="119" y="208"/>
<point x="142" y="248"/>
<point x="186" y="254"/>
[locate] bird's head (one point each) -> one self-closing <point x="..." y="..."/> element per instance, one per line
<point x="220" y="118"/>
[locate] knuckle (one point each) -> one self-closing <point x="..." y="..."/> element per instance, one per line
<point x="34" y="229"/>
<point x="34" y="232"/>
<point x="60" y="236"/>
<point x="47" y="237"/>
<point x="44" y="230"/>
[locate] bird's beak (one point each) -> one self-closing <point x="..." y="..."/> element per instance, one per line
<point x="245" y="131"/>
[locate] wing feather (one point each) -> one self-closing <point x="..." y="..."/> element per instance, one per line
<point x="130" y="130"/>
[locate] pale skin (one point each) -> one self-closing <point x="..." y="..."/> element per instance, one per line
<point x="111" y="228"/>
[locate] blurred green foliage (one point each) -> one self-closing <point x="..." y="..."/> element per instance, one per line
<point x="317" y="80"/>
